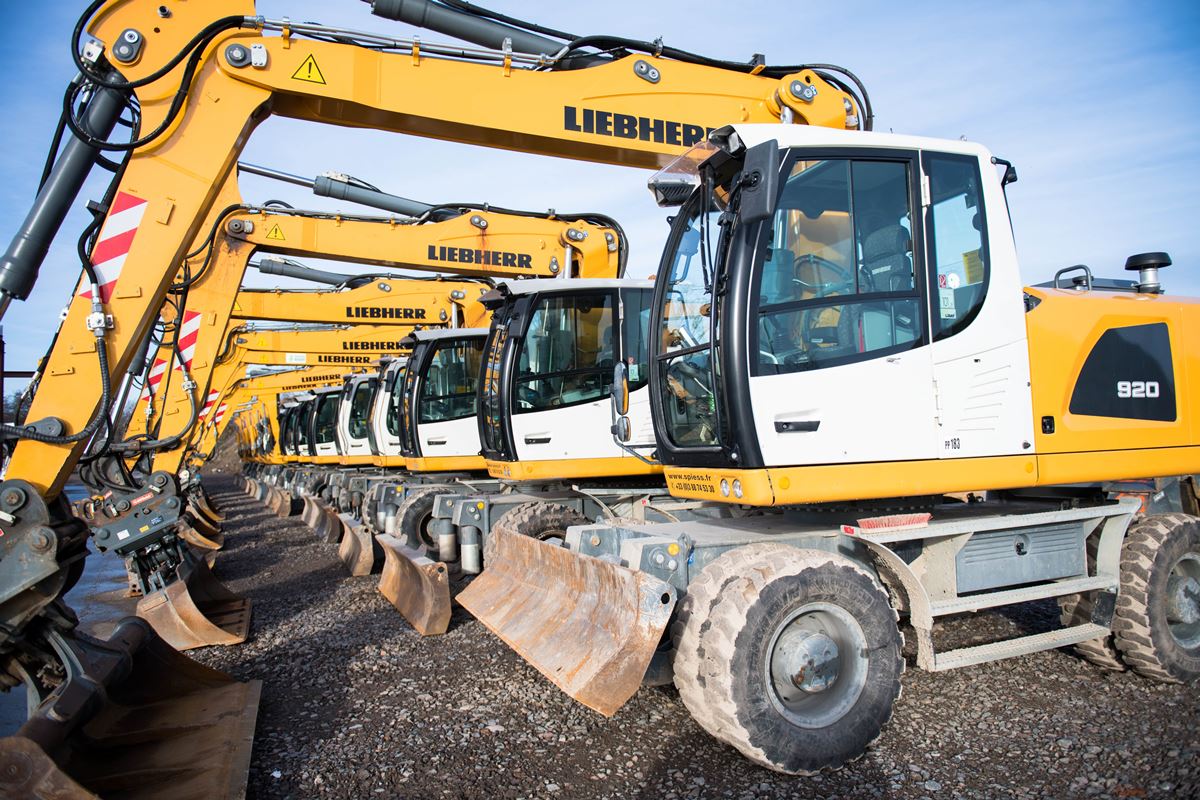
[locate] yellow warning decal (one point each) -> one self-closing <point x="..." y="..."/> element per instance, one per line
<point x="275" y="233"/>
<point x="309" y="72"/>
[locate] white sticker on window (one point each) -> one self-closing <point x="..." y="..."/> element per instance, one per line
<point x="946" y="296"/>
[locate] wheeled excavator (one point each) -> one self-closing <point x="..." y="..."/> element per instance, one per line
<point x="193" y="80"/>
<point x="850" y="361"/>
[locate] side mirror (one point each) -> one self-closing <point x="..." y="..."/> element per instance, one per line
<point x="620" y="389"/>
<point x="760" y="182"/>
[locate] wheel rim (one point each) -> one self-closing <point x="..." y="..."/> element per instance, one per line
<point x="816" y="665"/>
<point x="1183" y="601"/>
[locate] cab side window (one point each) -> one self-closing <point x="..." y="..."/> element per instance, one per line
<point x="958" y="252"/>
<point x="838" y="283"/>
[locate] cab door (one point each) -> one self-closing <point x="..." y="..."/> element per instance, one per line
<point x="840" y="367"/>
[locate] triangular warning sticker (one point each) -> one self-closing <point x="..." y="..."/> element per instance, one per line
<point x="237" y="307"/>
<point x="275" y="234"/>
<point x="309" y="71"/>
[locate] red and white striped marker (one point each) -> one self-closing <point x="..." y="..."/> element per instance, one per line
<point x="220" y="413"/>
<point x="112" y="246"/>
<point x="189" y="333"/>
<point x="155" y="377"/>
<point x="209" y="402"/>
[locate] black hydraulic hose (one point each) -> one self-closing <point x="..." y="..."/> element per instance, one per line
<point x="27" y="432"/>
<point x="208" y="32"/>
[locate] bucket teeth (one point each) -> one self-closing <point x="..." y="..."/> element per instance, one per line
<point x="417" y="586"/>
<point x="588" y="625"/>
<point x="196" y="610"/>
<point x="165" y="726"/>
<point x="357" y="547"/>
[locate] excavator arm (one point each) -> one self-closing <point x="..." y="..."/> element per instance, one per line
<point x="638" y="110"/>
<point x="196" y="79"/>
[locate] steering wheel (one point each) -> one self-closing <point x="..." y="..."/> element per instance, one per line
<point x="845" y="276"/>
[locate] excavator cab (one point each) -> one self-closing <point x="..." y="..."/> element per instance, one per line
<point x="438" y="427"/>
<point x="548" y="368"/>
<point x="353" y="421"/>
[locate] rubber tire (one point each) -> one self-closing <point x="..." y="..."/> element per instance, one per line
<point x="539" y="520"/>
<point x="413" y="513"/>
<point x="1151" y="548"/>
<point x="1076" y="609"/>
<point x="727" y="693"/>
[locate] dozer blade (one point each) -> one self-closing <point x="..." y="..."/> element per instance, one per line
<point x="196" y="610"/>
<point x="326" y="523"/>
<point x="417" y="586"/>
<point x="248" y="486"/>
<point x="588" y="625"/>
<point x="357" y="550"/>
<point x="193" y="532"/>
<point x="137" y="721"/>
<point x="279" y="502"/>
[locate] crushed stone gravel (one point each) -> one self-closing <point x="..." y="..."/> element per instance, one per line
<point x="355" y="704"/>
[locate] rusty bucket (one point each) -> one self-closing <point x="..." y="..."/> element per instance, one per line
<point x="134" y="719"/>
<point x="198" y="535"/>
<point x="200" y="505"/>
<point x="196" y="610"/>
<point x="357" y="549"/>
<point x="588" y="625"/>
<point x="281" y="503"/>
<point x="416" y="585"/>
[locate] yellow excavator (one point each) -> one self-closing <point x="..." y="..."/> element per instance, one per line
<point x="844" y="354"/>
<point x="194" y="80"/>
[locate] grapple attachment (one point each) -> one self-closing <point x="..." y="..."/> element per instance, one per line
<point x="417" y="586"/>
<point x="196" y="610"/>
<point x="588" y="625"/>
<point x="134" y="719"/>
<point x="357" y="549"/>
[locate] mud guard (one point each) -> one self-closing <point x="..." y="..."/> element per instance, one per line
<point x="196" y="610"/>
<point x="588" y="625"/>
<point x="358" y="550"/>
<point x="417" y="586"/>
<point x="138" y="720"/>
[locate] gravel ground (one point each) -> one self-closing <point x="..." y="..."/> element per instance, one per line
<point x="355" y="704"/>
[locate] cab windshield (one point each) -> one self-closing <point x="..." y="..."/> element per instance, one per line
<point x="326" y="424"/>
<point x="395" y="385"/>
<point x="566" y="357"/>
<point x="448" y="387"/>
<point x="684" y="353"/>
<point x="360" y="408"/>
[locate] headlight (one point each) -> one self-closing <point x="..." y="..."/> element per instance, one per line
<point x="737" y="489"/>
<point x="724" y="488"/>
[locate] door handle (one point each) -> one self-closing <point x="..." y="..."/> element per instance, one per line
<point x="796" y="425"/>
<point x="433" y="442"/>
<point x="543" y="439"/>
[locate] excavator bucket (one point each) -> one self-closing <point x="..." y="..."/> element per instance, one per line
<point x="588" y="625"/>
<point x="134" y="720"/>
<point x="358" y="549"/>
<point x="201" y="506"/>
<point x="196" y="610"/>
<point x="418" y="587"/>
<point x="200" y="535"/>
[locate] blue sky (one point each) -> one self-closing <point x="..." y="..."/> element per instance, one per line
<point x="1097" y="104"/>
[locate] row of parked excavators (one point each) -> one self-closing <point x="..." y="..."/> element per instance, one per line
<point x="834" y="405"/>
